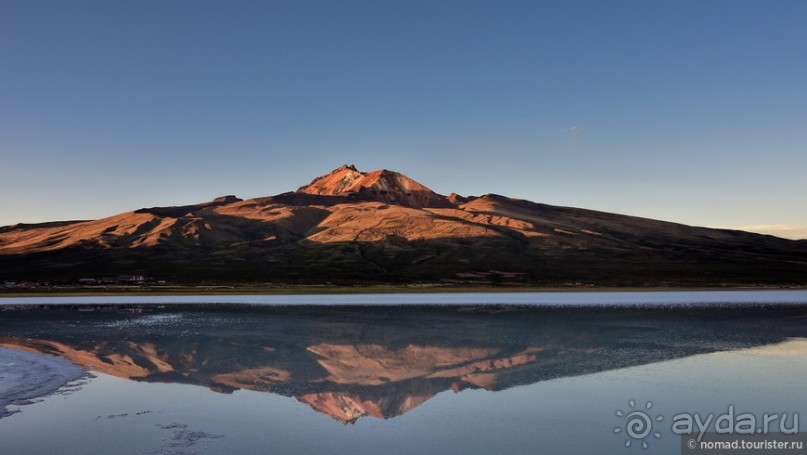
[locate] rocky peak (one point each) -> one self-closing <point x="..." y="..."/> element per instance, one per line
<point x="335" y="183"/>
<point x="382" y="185"/>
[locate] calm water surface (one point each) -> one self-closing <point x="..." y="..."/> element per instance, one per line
<point x="398" y="380"/>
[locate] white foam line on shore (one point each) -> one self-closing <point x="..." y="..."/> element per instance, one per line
<point x="593" y="298"/>
<point x="26" y="375"/>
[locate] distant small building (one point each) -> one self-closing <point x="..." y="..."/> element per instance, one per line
<point x="87" y="281"/>
<point x="131" y="278"/>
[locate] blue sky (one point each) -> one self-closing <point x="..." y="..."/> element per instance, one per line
<point x="689" y="111"/>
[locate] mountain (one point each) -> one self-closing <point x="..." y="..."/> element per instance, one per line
<point x="382" y="227"/>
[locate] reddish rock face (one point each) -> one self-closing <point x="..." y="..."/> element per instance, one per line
<point x="382" y="185"/>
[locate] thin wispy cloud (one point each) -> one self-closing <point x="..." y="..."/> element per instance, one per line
<point x="570" y="134"/>
<point x="574" y="130"/>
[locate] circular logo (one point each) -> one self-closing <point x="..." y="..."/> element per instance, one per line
<point x="637" y="424"/>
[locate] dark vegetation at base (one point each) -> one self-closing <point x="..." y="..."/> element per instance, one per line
<point x="397" y="261"/>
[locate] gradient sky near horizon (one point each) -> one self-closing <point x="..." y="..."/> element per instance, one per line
<point x="687" y="111"/>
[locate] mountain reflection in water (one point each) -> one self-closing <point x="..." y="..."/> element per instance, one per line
<point x="382" y="362"/>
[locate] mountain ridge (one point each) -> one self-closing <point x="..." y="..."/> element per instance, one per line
<point x="350" y="226"/>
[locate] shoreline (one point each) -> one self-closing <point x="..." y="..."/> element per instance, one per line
<point x="556" y="299"/>
<point x="27" y="376"/>
<point x="145" y="290"/>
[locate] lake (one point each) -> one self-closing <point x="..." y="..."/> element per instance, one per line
<point x="486" y="373"/>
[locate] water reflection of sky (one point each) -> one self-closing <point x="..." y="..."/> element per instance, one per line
<point x="682" y="363"/>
